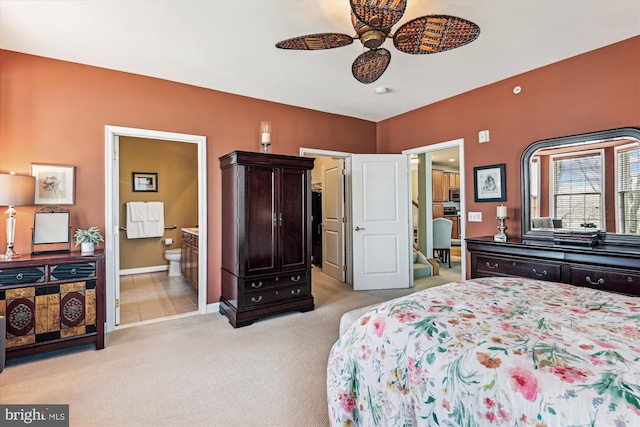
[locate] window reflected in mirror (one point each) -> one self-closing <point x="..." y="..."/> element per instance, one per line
<point x="581" y="183"/>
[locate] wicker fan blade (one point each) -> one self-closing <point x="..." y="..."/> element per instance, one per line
<point x="369" y="66"/>
<point x="434" y="33"/>
<point x="378" y="13"/>
<point x="316" y="41"/>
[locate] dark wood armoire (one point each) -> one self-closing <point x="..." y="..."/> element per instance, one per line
<point x="266" y="235"/>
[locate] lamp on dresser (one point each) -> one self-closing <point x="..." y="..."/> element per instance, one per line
<point x="15" y="190"/>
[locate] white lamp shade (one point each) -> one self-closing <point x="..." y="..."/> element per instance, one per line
<point x="17" y="190"/>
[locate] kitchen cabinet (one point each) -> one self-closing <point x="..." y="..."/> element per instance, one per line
<point x="266" y="235"/>
<point x="437" y="185"/>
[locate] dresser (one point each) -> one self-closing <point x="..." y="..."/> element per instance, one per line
<point x="52" y="302"/>
<point x="266" y="235"/>
<point x="607" y="267"/>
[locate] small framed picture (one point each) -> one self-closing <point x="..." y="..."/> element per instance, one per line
<point x="145" y="181"/>
<point x="490" y="184"/>
<point x="55" y="184"/>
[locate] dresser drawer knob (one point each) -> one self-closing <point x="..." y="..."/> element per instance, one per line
<point x="295" y="291"/>
<point x="74" y="271"/>
<point x="492" y="266"/>
<point x="295" y="279"/>
<point x="256" y="299"/>
<point x="599" y="282"/>
<point x="544" y="273"/>
<point x="19" y="276"/>
<point x="630" y="279"/>
<point x="256" y="285"/>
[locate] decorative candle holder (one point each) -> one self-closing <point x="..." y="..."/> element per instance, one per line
<point x="265" y="136"/>
<point x="501" y="236"/>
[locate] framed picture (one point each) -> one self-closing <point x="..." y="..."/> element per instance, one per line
<point x="55" y="184"/>
<point x="490" y="184"/>
<point x="145" y="181"/>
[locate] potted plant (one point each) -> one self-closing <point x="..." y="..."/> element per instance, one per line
<point x="87" y="239"/>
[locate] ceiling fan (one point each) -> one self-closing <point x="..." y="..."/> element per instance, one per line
<point x="372" y="20"/>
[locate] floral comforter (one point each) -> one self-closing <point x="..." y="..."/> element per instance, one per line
<point x="491" y="352"/>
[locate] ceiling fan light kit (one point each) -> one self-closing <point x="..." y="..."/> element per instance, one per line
<point x="372" y="20"/>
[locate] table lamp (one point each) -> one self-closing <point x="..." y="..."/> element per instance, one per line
<point x="15" y="190"/>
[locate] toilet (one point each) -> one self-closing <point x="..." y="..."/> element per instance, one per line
<point x="173" y="255"/>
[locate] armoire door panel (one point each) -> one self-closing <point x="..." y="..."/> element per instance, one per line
<point x="293" y="227"/>
<point x="260" y="238"/>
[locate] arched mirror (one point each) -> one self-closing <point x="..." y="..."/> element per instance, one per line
<point x="586" y="181"/>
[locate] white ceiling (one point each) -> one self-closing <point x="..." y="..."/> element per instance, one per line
<point x="228" y="45"/>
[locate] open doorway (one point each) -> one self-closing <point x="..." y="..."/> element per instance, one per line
<point x="113" y="210"/>
<point x="156" y="266"/>
<point x="438" y="192"/>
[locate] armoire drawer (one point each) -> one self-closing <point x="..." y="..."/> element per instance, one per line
<point x="283" y="279"/>
<point x="21" y="275"/>
<point x="623" y="281"/>
<point x="488" y="265"/>
<point x="72" y="271"/>
<point x="276" y="294"/>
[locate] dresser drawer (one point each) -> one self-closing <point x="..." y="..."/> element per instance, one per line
<point x="23" y="275"/>
<point x="284" y="279"/>
<point x="491" y="265"/>
<point x="618" y="280"/>
<point x="276" y="294"/>
<point x="72" y="271"/>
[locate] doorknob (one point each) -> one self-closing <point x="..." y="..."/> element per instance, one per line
<point x="359" y="228"/>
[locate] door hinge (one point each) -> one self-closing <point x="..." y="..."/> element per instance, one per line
<point x="344" y="171"/>
<point x="344" y="268"/>
<point x="116" y="229"/>
<point x="117" y="303"/>
<point x="344" y="219"/>
<point x="115" y="155"/>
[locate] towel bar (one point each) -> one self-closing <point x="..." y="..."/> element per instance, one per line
<point x="166" y="227"/>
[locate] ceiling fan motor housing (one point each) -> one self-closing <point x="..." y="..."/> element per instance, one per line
<point x="373" y="39"/>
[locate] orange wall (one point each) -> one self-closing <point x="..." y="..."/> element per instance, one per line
<point x="594" y="91"/>
<point x="54" y="112"/>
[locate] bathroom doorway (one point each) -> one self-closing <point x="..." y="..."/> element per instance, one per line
<point x="155" y="280"/>
<point x="155" y="271"/>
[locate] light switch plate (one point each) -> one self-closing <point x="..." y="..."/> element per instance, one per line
<point x="475" y="216"/>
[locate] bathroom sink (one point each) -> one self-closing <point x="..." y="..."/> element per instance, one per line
<point x="191" y="230"/>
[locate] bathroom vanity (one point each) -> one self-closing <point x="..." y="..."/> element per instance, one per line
<point x="189" y="259"/>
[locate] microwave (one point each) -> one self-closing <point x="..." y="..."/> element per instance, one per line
<point x="454" y="195"/>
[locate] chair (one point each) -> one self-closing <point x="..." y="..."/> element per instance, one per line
<point x="442" y="239"/>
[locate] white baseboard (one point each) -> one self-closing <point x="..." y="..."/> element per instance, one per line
<point x="142" y="270"/>
<point x="213" y="308"/>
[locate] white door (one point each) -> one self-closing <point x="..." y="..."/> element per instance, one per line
<point x="381" y="221"/>
<point x="332" y="220"/>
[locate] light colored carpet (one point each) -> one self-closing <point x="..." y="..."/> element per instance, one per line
<point x="200" y="371"/>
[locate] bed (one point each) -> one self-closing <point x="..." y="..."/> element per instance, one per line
<point x="490" y="352"/>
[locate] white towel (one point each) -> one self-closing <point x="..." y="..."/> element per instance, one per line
<point x="136" y="217"/>
<point x="154" y="226"/>
<point x="138" y="211"/>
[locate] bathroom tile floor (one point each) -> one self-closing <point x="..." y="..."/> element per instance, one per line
<point x="150" y="296"/>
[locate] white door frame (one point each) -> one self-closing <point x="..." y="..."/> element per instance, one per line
<point x="428" y="149"/>
<point x="347" y="201"/>
<point x="112" y="206"/>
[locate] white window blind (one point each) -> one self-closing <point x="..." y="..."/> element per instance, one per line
<point x="577" y="190"/>
<point x="629" y="189"/>
<point x="534" y="171"/>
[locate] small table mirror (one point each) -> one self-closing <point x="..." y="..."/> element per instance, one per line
<point x="51" y="231"/>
